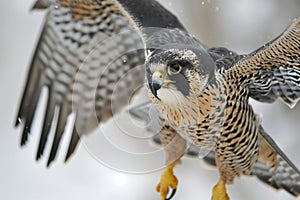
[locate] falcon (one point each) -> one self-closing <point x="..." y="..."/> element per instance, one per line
<point x="201" y="93"/>
<point x="202" y="96"/>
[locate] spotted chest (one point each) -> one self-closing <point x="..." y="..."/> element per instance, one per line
<point x="220" y="118"/>
<point x="199" y="119"/>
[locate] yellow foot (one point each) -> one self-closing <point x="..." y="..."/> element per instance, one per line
<point x="219" y="191"/>
<point x="167" y="180"/>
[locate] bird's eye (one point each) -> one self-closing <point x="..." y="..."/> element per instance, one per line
<point x="174" y="69"/>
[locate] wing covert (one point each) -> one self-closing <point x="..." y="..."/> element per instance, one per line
<point x="273" y="71"/>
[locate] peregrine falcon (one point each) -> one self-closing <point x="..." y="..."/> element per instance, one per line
<point x="202" y="96"/>
<point x="201" y="93"/>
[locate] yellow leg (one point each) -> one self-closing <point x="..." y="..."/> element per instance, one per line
<point x="219" y="191"/>
<point x="167" y="179"/>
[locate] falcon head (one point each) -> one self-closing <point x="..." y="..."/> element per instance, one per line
<point x="175" y="73"/>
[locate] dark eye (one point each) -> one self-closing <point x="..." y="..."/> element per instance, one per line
<point x="174" y="68"/>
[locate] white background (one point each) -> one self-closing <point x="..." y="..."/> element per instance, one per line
<point x="240" y="25"/>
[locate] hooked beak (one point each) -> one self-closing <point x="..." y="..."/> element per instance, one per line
<point x="157" y="82"/>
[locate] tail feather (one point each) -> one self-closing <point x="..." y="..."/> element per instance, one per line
<point x="283" y="175"/>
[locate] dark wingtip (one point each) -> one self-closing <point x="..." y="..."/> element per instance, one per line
<point x="40" y="151"/>
<point x="49" y="162"/>
<point x="73" y="144"/>
<point x="55" y="145"/>
<point x="26" y="131"/>
<point x="51" y="158"/>
<point x="38" y="156"/>
<point x="18" y="121"/>
<point x="24" y="139"/>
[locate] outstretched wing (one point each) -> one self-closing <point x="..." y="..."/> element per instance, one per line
<point x="90" y="60"/>
<point x="273" y="71"/>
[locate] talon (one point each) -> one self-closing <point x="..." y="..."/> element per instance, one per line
<point x="172" y="194"/>
<point x="167" y="181"/>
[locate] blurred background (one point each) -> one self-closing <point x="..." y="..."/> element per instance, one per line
<point x="242" y="26"/>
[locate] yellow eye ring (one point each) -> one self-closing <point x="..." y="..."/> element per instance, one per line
<point x="174" y="69"/>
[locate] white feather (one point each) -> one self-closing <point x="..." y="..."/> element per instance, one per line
<point x="170" y="96"/>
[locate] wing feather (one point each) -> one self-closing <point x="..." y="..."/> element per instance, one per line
<point x="48" y="119"/>
<point x="60" y="128"/>
<point x="77" y="62"/>
<point x="75" y="138"/>
<point x="273" y="71"/>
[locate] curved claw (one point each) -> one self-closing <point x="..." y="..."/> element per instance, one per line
<point x="172" y="195"/>
<point x="168" y="181"/>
